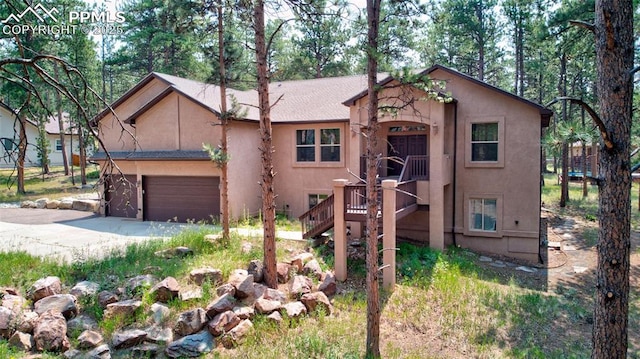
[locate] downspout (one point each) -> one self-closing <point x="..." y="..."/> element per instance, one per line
<point x="455" y="165"/>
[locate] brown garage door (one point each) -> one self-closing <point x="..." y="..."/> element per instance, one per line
<point x="121" y="196"/>
<point x="181" y="198"/>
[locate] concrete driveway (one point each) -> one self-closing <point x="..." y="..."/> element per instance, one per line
<point x="71" y="235"/>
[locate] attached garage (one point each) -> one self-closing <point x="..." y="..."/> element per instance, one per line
<point x="181" y="198"/>
<point x="121" y="196"/>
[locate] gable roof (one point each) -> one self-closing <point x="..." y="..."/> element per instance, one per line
<point x="51" y="127"/>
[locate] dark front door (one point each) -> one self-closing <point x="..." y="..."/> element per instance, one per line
<point x="402" y="146"/>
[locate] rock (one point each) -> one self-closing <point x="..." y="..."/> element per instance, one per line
<point x="295" y="309"/>
<point x="28" y="204"/>
<point x="41" y="203"/>
<point x="190" y="322"/>
<point x="299" y="285"/>
<point x="128" y="338"/>
<point x="44" y="287"/>
<point x="84" y="288"/>
<point x="300" y="260"/>
<point x="256" y="268"/>
<point x="105" y="298"/>
<point x="328" y="286"/>
<point x="101" y="352"/>
<point x="274" y="294"/>
<point x="237" y="335"/>
<point x="177" y="252"/>
<point x="166" y="290"/>
<point x="191" y="295"/>
<point x="259" y="289"/>
<point x="158" y="334"/>
<point x="223" y="322"/>
<point x="275" y="317"/>
<point x="22" y="341"/>
<point x="138" y="284"/>
<point x="146" y="350"/>
<point x="7" y="325"/>
<point x="65" y="203"/>
<point x="226" y="289"/>
<point x="266" y="306"/>
<point x="14" y="302"/>
<point x="244" y="312"/>
<point x="52" y="204"/>
<point x="193" y="345"/>
<point x="89" y="339"/>
<point x="283" y="270"/>
<point x="242" y="282"/>
<point x="63" y="303"/>
<point x="222" y="304"/>
<point x="200" y="275"/>
<point x="79" y="324"/>
<point x="159" y="312"/>
<point x="27" y="321"/>
<point x="50" y="332"/>
<point x="125" y="308"/>
<point x="317" y="301"/>
<point x="86" y="205"/>
<point x="312" y="268"/>
<point x="246" y="248"/>
<point x="213" y="238"/>
<point x="73" y="354"/>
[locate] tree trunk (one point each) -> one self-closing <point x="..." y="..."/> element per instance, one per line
<point x="266" y="149"/>
<point x="65" y="161"/>
<point x="224" y="119"/>
<point x="373" y="297"/>
<point x="614" y="45"/>
<point x="564" y="185"/>
<point x="22" y="153"/>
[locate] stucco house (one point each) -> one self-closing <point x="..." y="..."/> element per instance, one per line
<point x="472" y="163"/>
<point x="9" y="135"/>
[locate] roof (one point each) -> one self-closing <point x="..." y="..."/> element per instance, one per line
<point x="51" y="126"/>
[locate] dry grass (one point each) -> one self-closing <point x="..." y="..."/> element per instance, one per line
<point x="54" y="185"/>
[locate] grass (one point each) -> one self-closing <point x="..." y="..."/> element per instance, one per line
<point x="54" y="185"/>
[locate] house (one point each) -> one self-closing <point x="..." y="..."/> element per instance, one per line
<point x="9" y="135"/>
<point x="472" y="164"/>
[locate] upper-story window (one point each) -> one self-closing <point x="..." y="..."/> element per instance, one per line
<point x="484" y="142"/>
<point x="58" y="145"/>
<point x="318" y="145"/>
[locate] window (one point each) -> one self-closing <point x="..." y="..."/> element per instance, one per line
<point x="58" y="145"/>
<point x="484" y="142"/>
<point x="330" y="145"/>
<point x="8" y="144"/>
<point x="483" y="214"/>
<point x="305" y="145"/>
<point x="314" y="199"/>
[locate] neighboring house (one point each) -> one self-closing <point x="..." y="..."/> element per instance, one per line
<point x="473" y="163"/>
<point x="9" y="136"/>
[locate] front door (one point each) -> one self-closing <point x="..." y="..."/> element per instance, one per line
<point x="401" y="146"/>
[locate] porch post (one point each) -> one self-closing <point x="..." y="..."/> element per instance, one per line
<point x="339" y="230"/>
<point x="436" y="177"/>
<point x="389" y="233"/>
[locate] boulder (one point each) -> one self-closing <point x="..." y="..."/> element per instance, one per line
<point x="275" y="317"/>
<point x="283" y="272"/>
<point x="52" y="204"/>
<point x="66" y="203"/>
<point x="84" y="288"/>
<point x="222" y="304"/>
<point x="226" y="288"/>
<point x="256" y="268"/>
<point x="101" y="352"/>
<point x="213" y="238"/>
<point x="63" y="303"/>
<point x="7" y="325"/>
<point x="159" y="312"/>
<point x="146" y="350"/>
<point x="193" y="345"/>
<point x="105" y="298"/>
<point x="138" y="284"/>
<point x="41" y="203"/>
<point x="158" y="334"/>
<point x="128" y="338"/>
<point x="274" y="294"/>
<point x="188" y="295"/>
<point x="80" y="324"/>
<point x="89" y="339"/>
<point x="300" y="260"/>
<point x="22" y="341"/>
<point x="190" y="322"/>
<point x="299" y="285"/>
<point x="223" y="322"/>
<point x="259" y="289"/>
<point x="28" y="204"/>
<point x="125" y="308"/>
<point x="245" y="312"/>
<point x="27" y="321"/>
<point x="236" y="336"/>
<point x="242" y="282"/>
<point x="328" y="284"/>
<point x="312" y="269"/>
<point x="211" y="275"/>
<point x="50" y="332"/>
<point x="166" y="290"/>
<point x="266" y="306"/>
<point x="294" y="309"/>
<point x="316" y="300"/>
<point x="44" y="287"/>
<point x="86" y="205"/>
<point x="14" y="302"/>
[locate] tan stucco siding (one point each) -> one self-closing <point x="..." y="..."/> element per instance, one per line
<point x="159" y="127"/>
<point x="197" y="126"/>
<point x="244" y="169"/>
<point x="295" y="181"/>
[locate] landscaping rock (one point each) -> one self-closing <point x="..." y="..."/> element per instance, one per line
<point x="84" y="288"/>
<point x="128" y="338"/>
<point x="27" y="321"/>
<point x="226" y="289"/>
<point x="316" y="300"/>
<point x="295" y="309"/>
<point x="244" y="312"/>
<point x="300" y="260"/>
<point x="237" y="335"/>
<point x="283" y="270"/>
<point x="256" y="268"/>
<point x="222" y="304"/>
<point x="14" y="302"/>
<point x="328" y="286"/>
<point x="242" y="282"/>
<point x="177" y="252"/>
<point x="139" y="283"/>
<point x="52" y="204"/>
<point x="101" y="352"/>
<point x="22" y="341"/>
<point x="275" y="317"/>
<point x="125" y="307"/>
<point x="80" y="324"/>
<point x="7" y="326"/>
<point x="213" y="238"/>
<point x="65" y="203"/>
<point x="105" y="298"/>
<point x="259" y="289"/>
<point x="63" y="303"/>
<point x="41" y="203"/>
<point x="200" y="275"/>
<point x="223" y="322"/>
<point x="300" y="285"/>
<point x="44" y="287"/>
<point x="159" y="334"/>
<point x="274" y="294"/>
<point x="312" y="269"/>
<point x="246" y="248"/>
<point x="28" y="204"/>
<point x="159" y="312"/>
<point x="166" y="290"/>
<point x="266" y="306"/>
<point x="191" y="322"/>
<point x="193" y="345"/>
<point x="50" y="332"/>
<point x="86" y="205"/>
<point x="146" y="350"/>
<point x="89" y="339"/>
<point x="188" y="295"/>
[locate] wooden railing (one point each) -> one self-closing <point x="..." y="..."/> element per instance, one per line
<point x="415" y="168"/>
<point x="318" y="219"/>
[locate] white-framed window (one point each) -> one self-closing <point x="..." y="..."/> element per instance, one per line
<point x="58" y="146"/>
<point x="330" y="145"/>
<point x="306" y="145"/>
<point x="316" y="146"/>
<point x="483" y="214"/>
<point x="315" y="198"/>
<point x="484" y="142"/>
